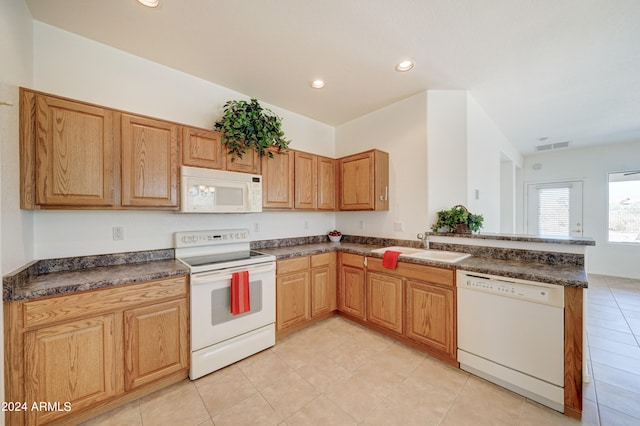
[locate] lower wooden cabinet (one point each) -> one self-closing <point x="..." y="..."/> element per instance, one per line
<point x="75" y="363"/>
<point x="292" y="292"/>
<point x="87" y="352"/>
<point x="323" y="284"/>
<point x="412" y="303"/>
<point x="154" y="346"/>
<point x="351" y="294"/>
<point x="385" y="300"/>
<point x="430" y="316"/>
<point x="305" y="289"/>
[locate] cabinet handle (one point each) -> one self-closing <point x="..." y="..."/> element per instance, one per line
<point x="385" y="196"/>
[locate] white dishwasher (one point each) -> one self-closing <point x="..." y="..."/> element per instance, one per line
<point x="511" y="332"/>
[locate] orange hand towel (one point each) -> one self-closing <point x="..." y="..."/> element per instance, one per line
<point x="240" y="297"/>
<point x="390" y="259"/>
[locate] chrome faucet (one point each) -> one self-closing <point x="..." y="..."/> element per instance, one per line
<point x="425" y="240"/>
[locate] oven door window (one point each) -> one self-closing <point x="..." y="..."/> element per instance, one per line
<point x="221" y="303"/>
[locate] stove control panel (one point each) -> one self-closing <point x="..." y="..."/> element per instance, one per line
<point x="208" y="238"/>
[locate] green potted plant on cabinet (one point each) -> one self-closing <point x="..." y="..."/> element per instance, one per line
<point x="459" y="220"/>
<point x="247" y="125"/>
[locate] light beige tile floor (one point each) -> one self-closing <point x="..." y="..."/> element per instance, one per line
<point x="338" y="373"/>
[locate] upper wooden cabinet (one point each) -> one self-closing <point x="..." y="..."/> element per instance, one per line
<point x="306" y="178"/>
<point x="68" y="153"/>
<point x="249" y="163"/>
<point x="202" y="148"/>
<point x="364" y="181"/>
<point x="278" y="180"/>
<point x="326" y="183"/>
<point x="149" y="162"/>
<point x="299" y="180"/>
<point x="77" y="155"/>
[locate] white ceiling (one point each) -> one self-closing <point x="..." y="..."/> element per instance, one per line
<point x="561" y="69"/>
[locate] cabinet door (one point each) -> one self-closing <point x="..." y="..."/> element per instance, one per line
<point x="292" y="295"/>
<point x="75" y="155"/>
<point x="202" y="148"/>
<point x="323" y="283"/>
<point x="384" y="300"/>
<point x="306" y="176"/>
<point x="149" y="162"/>
<point x="364" y="181"/>
<point x="277" y="180"/>
<point x="430" y="316"/>
<point x="326" y="183"/>
<point x="357" y="184"/>
<point x="156" y="342"/>
<point x="75" y="362"/>
<point x="249" y="163"/>
<point x="351" y="296"/>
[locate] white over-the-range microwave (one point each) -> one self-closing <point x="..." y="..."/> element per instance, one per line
<point x="219" y="191"/>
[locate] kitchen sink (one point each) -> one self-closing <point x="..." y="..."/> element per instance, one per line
<point x="439" y="255"/>
<point x="416" y="253"/>
<point x="402" y="250"/>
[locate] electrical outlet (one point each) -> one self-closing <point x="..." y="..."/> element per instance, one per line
<point x="362" y="224"/>
<point x="118" y="233"/>
<point x="306" y="224"/>
<point x="256" y="227"/>
<point x="398" y="226"/>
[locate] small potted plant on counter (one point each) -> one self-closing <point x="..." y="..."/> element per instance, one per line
<point x="335" y="236"/>
<point x="458" y="220"/>
<point x="247" y="125"/>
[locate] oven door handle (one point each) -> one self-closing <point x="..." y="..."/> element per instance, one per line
<point x="207" y="277"/>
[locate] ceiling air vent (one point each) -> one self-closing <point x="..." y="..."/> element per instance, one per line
<point x="550" y="146"/>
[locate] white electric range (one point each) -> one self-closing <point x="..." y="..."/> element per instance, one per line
<point x="219" y="338"/>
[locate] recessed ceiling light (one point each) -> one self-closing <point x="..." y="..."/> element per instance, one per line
<point x="317" y="84"/>
<point x="149" y="3"/>
<point x="404" y="66"/>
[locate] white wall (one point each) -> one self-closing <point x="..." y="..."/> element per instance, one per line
<point x="75" y="67"/>
<point x="16" y="57"/>
<point x="447" y="150"/>
<point x="591" y="165"/>
<point x="17" y="69"/>
<point x="486" y="148"/>
<point x="442" y="146"/>
<point x="400" y="130"/>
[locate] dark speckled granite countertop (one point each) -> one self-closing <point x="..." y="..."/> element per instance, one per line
<point x="565" y="275"/>
<point x="69" y="275"/>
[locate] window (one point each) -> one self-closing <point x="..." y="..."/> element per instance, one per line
<point x="624" y="207"/>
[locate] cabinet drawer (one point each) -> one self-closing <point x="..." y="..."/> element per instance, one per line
<point x="292" y="265"/>
<point x="87" y="303"/>
<point x="355" y="260"/>
<point x="324" y="259"/>
<point x="432" y="274"/>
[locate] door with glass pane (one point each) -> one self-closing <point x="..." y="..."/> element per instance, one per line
<point x="555" y="209"/>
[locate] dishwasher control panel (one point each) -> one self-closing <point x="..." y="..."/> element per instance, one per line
<point x="544" y="293"/>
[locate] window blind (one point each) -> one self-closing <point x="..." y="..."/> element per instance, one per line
<point x="553" y="211"/>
